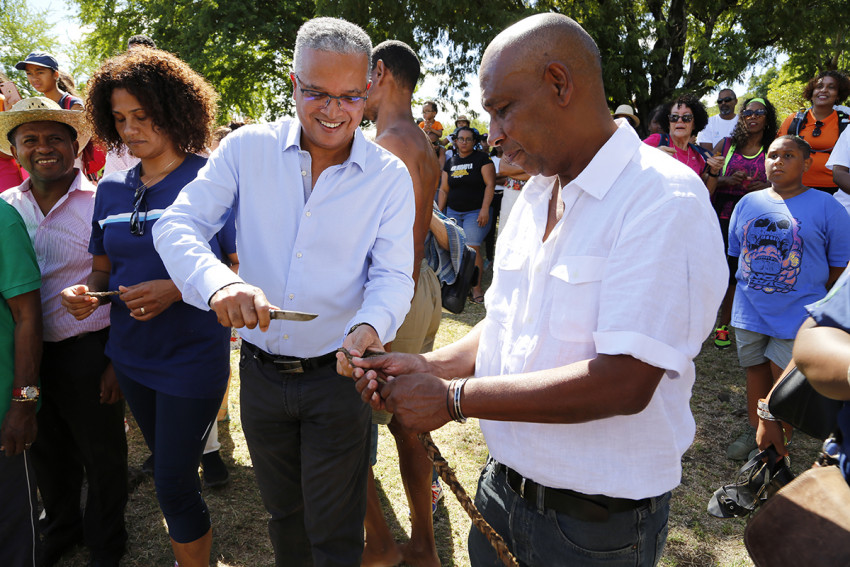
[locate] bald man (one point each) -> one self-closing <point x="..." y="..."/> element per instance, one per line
<point x="606" y="283"/>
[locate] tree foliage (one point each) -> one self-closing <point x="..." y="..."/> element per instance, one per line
<point x="22" y="31"/>
<point x="651" y="49"/>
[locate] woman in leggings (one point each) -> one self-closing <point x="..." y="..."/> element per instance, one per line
<point x="171" y="359"/>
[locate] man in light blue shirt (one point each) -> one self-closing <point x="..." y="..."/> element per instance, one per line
<point x="324" y="224"/>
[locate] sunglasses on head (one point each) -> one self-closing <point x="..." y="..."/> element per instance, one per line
<point x="816" y="131"/>
<point x="725" y="99"/>
<point x="684" y="118"/>
<point x="747" y="113"/>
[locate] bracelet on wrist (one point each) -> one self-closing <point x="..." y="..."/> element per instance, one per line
<point x="458" y="390"/>
<point x="449" y="403"/>
<point x="713" y="174"/>
<point x="763" y="411"/>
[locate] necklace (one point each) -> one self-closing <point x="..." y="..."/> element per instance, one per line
<point x="157" y="177"/>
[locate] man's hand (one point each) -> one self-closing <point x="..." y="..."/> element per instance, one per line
<point x="366" y="372"/>
<point x="77" y="303"/>
<point x="361" y="340"/>
<point x="417" y="401"/>
<point x="771" y="433"/>
<point x="148" y="299"/>
<point x="19" y="428"/>
<point x="242" y="305"/>
<point x="110" y="392"/>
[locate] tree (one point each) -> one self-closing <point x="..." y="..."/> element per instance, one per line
<point x="22" y="31"/>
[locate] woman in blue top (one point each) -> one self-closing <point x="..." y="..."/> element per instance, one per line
<point x="171" y="359"/>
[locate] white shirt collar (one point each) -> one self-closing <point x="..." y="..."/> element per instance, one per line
<point x="358" y="148"/>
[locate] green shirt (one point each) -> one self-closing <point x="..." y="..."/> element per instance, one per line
<point x="19" y="274"/>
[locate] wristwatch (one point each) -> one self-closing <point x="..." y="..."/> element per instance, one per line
<point x="353" y="327"/>
<point x="26" y="393"/>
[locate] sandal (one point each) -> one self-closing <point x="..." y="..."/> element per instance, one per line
<point x="479" y="299"/>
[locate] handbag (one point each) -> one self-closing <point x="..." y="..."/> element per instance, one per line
<point x="805" y="524"/>
<point x="794" y="401"/>
<point x="454" y="295"/>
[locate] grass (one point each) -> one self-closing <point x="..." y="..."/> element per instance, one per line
<point x="239" y="519"/>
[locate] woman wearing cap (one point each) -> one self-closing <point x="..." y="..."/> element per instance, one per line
<point x="821" y="125"/>
<point x="466" y="193"/>
<point x="171" y="359"/>
<point x="42" y="71"/>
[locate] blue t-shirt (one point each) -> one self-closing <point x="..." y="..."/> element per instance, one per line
<point x="785" y="249"/>
<point x="183" y="351"/>
<point x="834" y="311"/>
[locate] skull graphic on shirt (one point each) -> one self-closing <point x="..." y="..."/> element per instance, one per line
<point x="771" y="252"/>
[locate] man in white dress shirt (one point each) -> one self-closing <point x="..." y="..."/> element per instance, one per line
<point x="324" y="225"/>
<point x="606" y="283"/>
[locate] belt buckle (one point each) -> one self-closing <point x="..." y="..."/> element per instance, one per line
<point x="289" y="366"/>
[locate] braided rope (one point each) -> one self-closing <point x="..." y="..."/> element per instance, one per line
<point x="448" y="475"/>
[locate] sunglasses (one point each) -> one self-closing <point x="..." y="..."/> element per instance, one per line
<point x="684" y="118"/>
<point x="748" y="113"/>
<point x="137" y="219"/>
<point x="725" y="99"/>
<point x="816" y="131"/>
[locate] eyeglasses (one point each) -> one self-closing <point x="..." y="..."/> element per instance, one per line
<point x="345" y="102"/>
<point x="464" y="139"/>
<point x="747" y="113"/>
<point x="725" y="99"/>
<point x="137" y="222"/>
<point x="684" y="118"/>
<point x="816" y="131"/>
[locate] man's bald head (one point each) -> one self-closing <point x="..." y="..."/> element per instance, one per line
<point x="545" y="73"/>
<point x="543" y="38"/>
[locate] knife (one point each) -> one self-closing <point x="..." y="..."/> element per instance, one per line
<point x="291" y="315"/>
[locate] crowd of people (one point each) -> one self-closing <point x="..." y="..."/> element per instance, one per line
<point x="616" y="258"/>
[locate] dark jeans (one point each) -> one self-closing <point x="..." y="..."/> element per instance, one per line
<point x="545" y="538"/>
<point x="19" y="544"/>
<point x="175" y="430"/>
<point x="308" y="435"/>
<point x="80" y="437"/>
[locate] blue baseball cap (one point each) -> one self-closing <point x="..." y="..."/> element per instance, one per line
<point x="39" y="58"/>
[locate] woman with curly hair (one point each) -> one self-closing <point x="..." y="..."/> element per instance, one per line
<point x="683" y="118"/>
<point x="738" y="171"/>
<point x="171" y="359"/>
<point x="819" y="125"/>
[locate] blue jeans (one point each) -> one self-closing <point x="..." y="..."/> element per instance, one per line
<point x="545" y="538"/>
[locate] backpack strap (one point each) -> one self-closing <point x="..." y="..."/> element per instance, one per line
<point x="843" y="121"/>
<point x="798" y="123"/>
<point x="665" y="140"/>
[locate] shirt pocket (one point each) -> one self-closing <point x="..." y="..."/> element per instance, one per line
<point x="576" y="284"/>
<point x="502" y="297"/>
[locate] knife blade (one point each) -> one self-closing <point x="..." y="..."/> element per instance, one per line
<point x="291" y="315"/>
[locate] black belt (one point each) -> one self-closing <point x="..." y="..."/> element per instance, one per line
<point x="584" y="507"/>
<point x="290" y="364"/>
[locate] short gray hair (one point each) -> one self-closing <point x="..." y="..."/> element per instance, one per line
<point x="334" y="35"/>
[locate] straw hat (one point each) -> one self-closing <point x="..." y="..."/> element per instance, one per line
<point x="39" y="108"/>
<point x="625" y="110"/>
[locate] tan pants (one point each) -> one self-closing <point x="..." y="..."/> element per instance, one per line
<point x="417" y="333"/>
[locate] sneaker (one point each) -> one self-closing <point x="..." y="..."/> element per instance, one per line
<point x="436" y="494"/>
<point x="721" y="337"/>
<point x="740" y="449"/>
<point x="215" y="472"/>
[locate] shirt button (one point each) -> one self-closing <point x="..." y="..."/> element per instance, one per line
<point x="298" y="255"/>
<point x="286" y="336"/>
<point x="291" y="296"/>
<point x="309" y="214"/>
<point x="303" y="173"/>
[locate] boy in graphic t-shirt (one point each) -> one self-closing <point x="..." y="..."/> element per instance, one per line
<point x="792" y="243"/>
